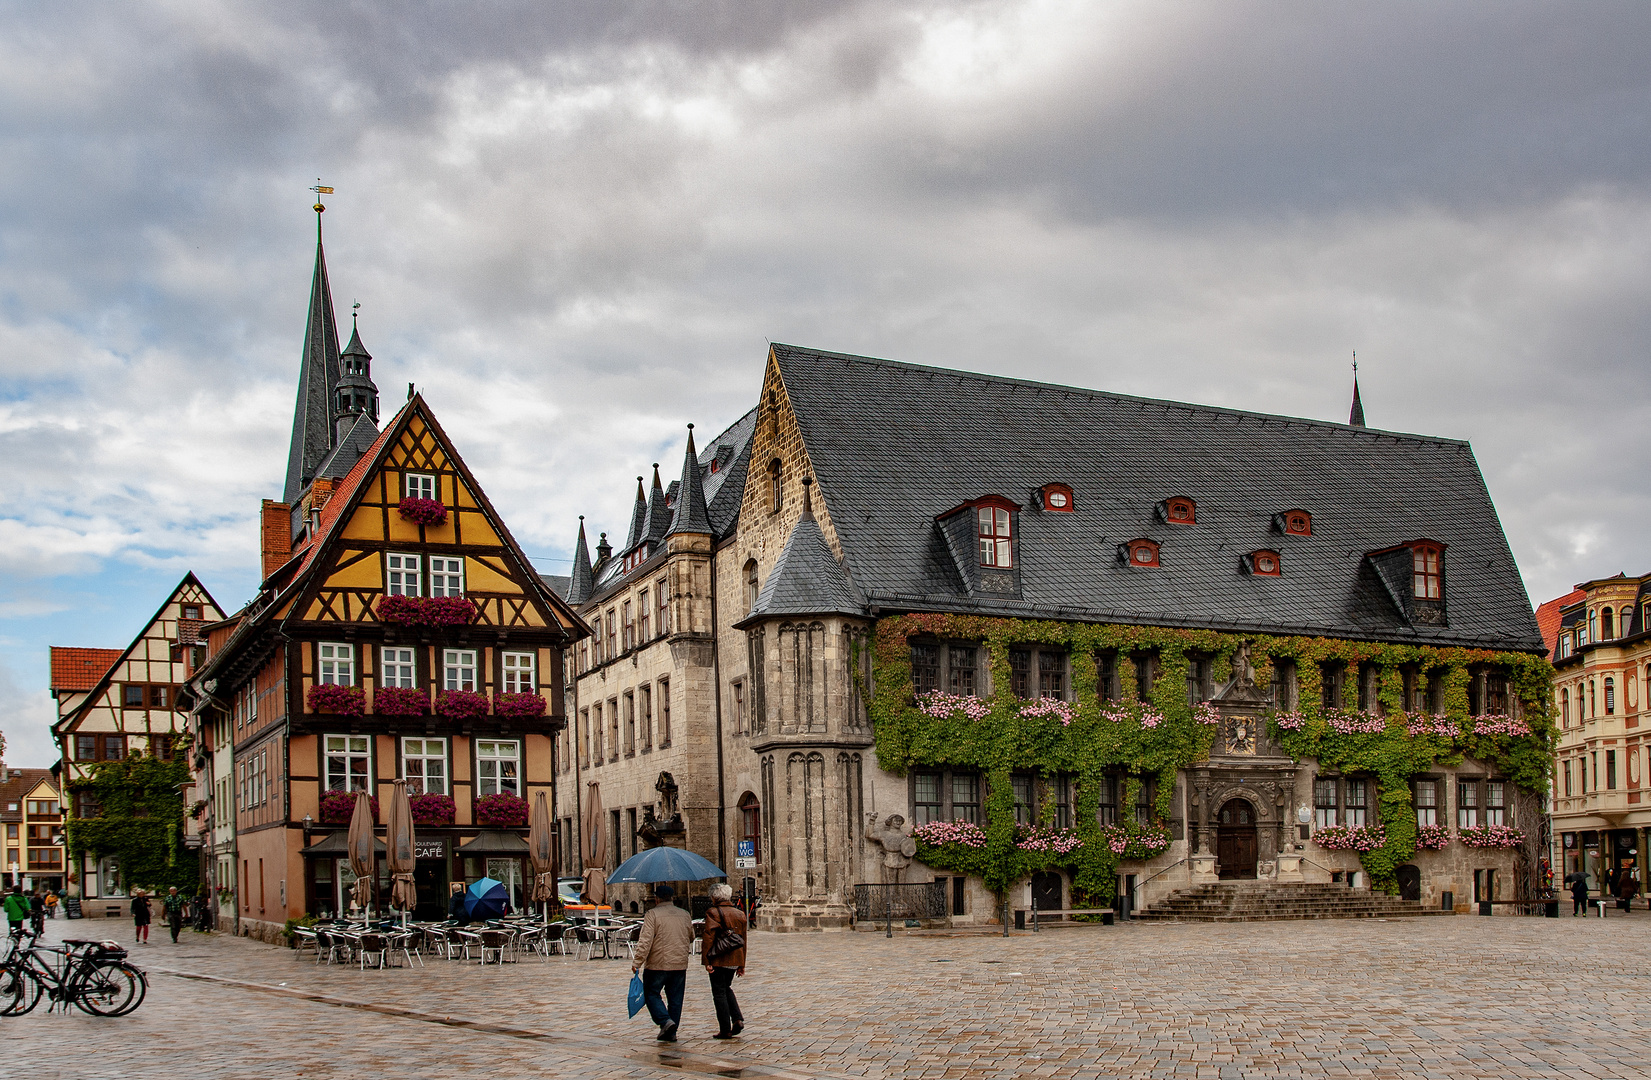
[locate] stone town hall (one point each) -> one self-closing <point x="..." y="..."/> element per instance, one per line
<point x="876" y="535"/>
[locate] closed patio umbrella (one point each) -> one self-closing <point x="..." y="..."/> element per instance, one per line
<point x="596" y="848"/>
<point x="542" y="851"/>
<point x="360" y="842"/>
<point x="398" y="839"/>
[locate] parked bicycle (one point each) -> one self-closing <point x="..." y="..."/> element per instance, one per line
<point x="92" y="975"/>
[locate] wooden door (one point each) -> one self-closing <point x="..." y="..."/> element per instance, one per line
<point x="1410" y="881"/>
<point x="1046" y="891"/>
<point x="1236" y="843"/>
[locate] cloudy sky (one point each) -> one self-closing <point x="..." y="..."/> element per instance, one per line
<point x="575" y="225"/>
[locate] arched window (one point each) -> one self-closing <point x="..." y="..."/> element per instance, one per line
<point x="776" y="497"/>
<point x="1179" y="510"/>
<point x="751" y="588"/>
<point x="1610" y="695"/>
<point x="1593" y="706"/>
<point x="1565" y="708"/>
<point x="1139" y="552"/>
<point x="1593" y="625"/>
<point x="750" y="828"/>
<point x="1606" y="624"/>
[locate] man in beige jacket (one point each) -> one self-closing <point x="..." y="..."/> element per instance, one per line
<point x="662" y="954"/>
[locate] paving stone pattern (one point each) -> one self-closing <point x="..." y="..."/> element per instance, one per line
<point x="1467" y="997"/>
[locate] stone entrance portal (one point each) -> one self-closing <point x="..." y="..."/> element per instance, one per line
<point x="1236" y="842"/>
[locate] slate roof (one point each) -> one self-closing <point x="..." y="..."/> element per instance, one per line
<point x="75" y="669"/>
<point x="690" y="515"/>
<point x="357" y="441"/>
<point x="579" y="582"/>
<point x="806" y="579"/>
<point x="895" y="446"/>
<point x="557" y="583"/>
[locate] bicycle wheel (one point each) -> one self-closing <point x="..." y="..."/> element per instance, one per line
<point x="20" y="990"/>
<point x="110" y="988"/>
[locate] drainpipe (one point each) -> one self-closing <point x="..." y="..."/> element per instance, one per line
<point x="716" y="677"/>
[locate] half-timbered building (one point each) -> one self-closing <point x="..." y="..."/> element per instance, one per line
<point x="400" y="634"/>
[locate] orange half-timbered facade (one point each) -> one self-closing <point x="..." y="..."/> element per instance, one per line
<point x="404" y="636"/>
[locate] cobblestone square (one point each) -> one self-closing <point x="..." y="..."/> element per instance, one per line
<point x="1466" y="997"/>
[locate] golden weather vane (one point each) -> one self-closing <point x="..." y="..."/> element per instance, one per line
<point x="320" y="191"/>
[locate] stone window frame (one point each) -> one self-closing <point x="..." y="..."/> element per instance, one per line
<point x="1437" y="806"/>
<point x="1340" y="809"/>
<point x="950" y="676"/>
<point x="630" y="723"/>
<point x="1033" y="672"/>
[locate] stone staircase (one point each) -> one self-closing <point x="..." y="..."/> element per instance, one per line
<point x="1264" y="901"/>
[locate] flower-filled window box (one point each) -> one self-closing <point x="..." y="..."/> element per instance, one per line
<point x="400" y="701"/>
<point x="426" y="610"/>
<point x="1136" y="841"/>
<point x="422" y="511"/>
<point x="337" y="807"/>
<point x="1492" y="836"/>
<point x="501" y="811"/>
<point x="337" y="700"/>
<point x="519" y="706"/>
<point x="1432" y="837"/>
<point x="432" y="809"/>
<point x="1350" y="837"/>
<point x="461" y="705"/>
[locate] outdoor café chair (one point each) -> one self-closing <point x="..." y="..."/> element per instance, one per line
<point x="403" y="943"/>
<point x="440" y="940"/>
<point x="303" y="938"/>
<point x="624" y="936"/>
<point x="376" y="946"/>
<point x="495" y="942"/>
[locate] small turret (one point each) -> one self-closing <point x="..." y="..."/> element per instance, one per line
<point x="604" y="550"/>
<point x="355" y="395"/>
<point x="690" y="515"/>
<point x="579" y="583"/>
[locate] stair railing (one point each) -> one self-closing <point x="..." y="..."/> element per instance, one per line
<point x="1159" y="874"/>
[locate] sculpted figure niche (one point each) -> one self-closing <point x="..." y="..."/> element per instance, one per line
<point x="895" y="841"/>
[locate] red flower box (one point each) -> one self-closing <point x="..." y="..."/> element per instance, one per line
<point x="400" y="701"/>
<point x="337" y="700"/>
<point x="432" y="809"/>
<point x="461" y="705"/>
<point x="422" y="511"/>
<point x="337" y="807"/>
<point x="519" y="706"/>
<point x="501" y="811"/>
<point x="426" y="610"/>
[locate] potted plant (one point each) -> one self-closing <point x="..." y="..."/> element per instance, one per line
<point x="425" y="610"/>
<point x="337" y="807"/>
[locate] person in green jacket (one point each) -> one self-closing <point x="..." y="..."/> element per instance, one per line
<point x="16" y="906"/>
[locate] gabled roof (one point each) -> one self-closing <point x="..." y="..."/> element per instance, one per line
<point x="894" y="445"/>
<point x="16" y="785"/>
<point x="1548" y="618"/>
<point x="67" y="722"/>
<point x="807" y="579"/>
<point x="75" y="669"/>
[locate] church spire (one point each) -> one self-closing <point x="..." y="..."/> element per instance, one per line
<point x="316" y="414"/>
<point x="579" y="584"/>
<point x="1355" y="417"/>
<point x="639" y="520"/>
<point x="690" y="514"/>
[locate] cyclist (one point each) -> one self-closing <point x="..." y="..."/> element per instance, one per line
<point x="37" y="912"/>
<point x="16" y="906"/>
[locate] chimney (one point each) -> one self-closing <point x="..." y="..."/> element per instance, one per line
<point x="321" y="490"/>
<point x="276" y="535"/>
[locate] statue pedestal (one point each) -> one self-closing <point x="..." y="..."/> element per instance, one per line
<point x="1289" y="868"/>
<point x="1203" y="869"/>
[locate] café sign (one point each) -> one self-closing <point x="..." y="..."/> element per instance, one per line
<point x="430" y="849"/>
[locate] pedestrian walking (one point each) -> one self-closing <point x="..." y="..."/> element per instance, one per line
<point x="16" y="906"/>
<point x="1579" y="895"/>
<point x="174" y="904"/>
<point x="140" y="917"/>
<point x="662" y="952"/>
<point x="1627" y="889"/>
<point x="723" y="950"/>
<point x="37" y="912"/>
<point x="51" y="904"/>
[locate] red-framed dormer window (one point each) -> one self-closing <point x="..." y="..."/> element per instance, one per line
<point x="994" y="525"/>
<point x="1264" y="563"/>
<point x="1139" y="552"/>
<point x="1057" y="498"/>
<point x="1427" y="561"/>
<point x="1296" y="523"/>
<point x="1179" y="510"/>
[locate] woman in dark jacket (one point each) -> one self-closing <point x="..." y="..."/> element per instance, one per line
<point x="724" y="959"/>
<point x="1579" y="895"/>
<point x="140" y="916"/>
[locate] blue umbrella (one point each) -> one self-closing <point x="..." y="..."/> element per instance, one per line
<point x="664" y="864"/>
<point x="486" y="899"/>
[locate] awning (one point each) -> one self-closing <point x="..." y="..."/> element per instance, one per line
<point x="494" y="844"/>
<point x="336" y="845"/>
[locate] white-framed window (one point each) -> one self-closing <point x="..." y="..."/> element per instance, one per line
<point x="349" y="762"/>
<point x="446" y="576"/>
<point x="518" y="673"/>
<point x="498" y="767"/>
<point x="458" y="669"/>
<point x="420" y="485"/>
<point x="424" y="766"/>
<point x="397" y="668"/>
<point x="335" y="664"/>
<point x="401" y="574"/>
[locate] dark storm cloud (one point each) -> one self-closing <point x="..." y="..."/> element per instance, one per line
<point x="575" y="224"/>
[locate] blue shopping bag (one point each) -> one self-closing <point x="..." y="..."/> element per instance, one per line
<point x="635" y="1000"/>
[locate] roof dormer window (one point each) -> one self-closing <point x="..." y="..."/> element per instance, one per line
<point x="1178" y="510"/>
<point x="1139" y="552"/>
<point x="1427" y="578"/>
<point x="1056" y="497"/>
<point x="1263" y="563"/>
<point x="994" y="525"/>
<point x="1294" y="523"/>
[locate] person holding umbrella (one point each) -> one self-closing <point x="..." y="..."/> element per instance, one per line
<point x="662" y="953"/>
<point x="1579" y="894"/>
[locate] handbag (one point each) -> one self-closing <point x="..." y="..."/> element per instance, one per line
<point x="635" y="1000"/>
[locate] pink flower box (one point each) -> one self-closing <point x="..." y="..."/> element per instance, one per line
<point x="337" y="700"/>
<point x="337" y="807"/>
<point x="422" y="511"/>
<point x="461" y="705"/>
<point x="432" y="809"/>
<point x="518" y="706"/>
<point x="501" y="811"/>
<point x="426" y="610"/>
<point x="400" y="701"/>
